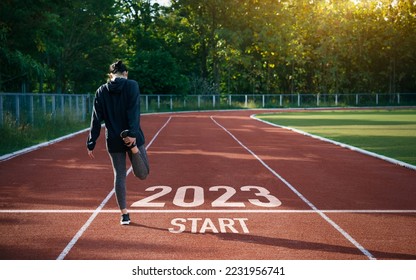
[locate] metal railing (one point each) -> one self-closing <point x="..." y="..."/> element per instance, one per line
<point x="209" y="102"/>
<point x="32" y="109"/>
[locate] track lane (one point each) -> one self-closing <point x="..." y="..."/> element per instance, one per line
<point x="59" y="177"/>
<point x="193" y="151"/>
<point x="339" y="179"/>
<point x="335" y="177"/>
<point x="302" y="197"/>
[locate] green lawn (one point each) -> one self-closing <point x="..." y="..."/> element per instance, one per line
<point x="391" y="133"/>
<point x="16" y="138"/>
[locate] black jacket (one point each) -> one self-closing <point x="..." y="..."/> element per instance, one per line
<point x="117" y="103"/>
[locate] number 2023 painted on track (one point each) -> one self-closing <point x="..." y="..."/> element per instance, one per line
<point x="268" y="200"/>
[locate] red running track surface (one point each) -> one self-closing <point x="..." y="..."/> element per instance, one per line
<point x="222" y="186"/>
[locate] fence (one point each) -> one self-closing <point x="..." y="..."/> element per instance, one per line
<point x="34" y="108"/>
<point x="151" y="103"/>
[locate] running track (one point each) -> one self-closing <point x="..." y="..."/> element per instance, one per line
<point x="222" y="186"/>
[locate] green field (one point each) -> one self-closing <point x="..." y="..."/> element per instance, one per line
<point x="25" y="135"/>
<point x="390" y="133"/>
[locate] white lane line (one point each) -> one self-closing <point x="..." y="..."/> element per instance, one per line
<point x="343" y="145"/>
<point x="84" y="211"/>
<point x="153" y="139"/>
<point x="99" y="208"/>
<point x="304" y="199"/>
<point x="84" y="228"/>
<point x="41" y="145"/>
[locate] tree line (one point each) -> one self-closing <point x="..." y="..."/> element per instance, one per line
<point x="210" y="46"/>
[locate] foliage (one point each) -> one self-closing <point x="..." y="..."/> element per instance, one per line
<point x="54" y="46"/>
<point x="210" y="46"/>
<point x="24" y="135"/>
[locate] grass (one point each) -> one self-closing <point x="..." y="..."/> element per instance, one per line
<point x="14" y="138"/>
<point x="391" y="133"/>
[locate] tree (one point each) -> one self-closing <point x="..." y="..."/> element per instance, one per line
<point x="59" y="46"/>
<point x="153" y="58"/>
<point x="20" y="45"/>
<point x="211" y="46"/>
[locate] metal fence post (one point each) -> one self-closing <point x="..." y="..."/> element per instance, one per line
<point x="44" y="104"/>
<point x="17" y="107"/>
<point x="53" y="106"/>
<point x="147" y="103"/>
<point x="62" y="105"/>
<point x="31" y="110"/>
<point x="77" y="105"/>
<point x="1" y="110"/>
<point x="84" y="107"/>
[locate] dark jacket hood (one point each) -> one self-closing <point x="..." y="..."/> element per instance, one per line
<point x="116" y="86"/>
<point x="117" y="103"/>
